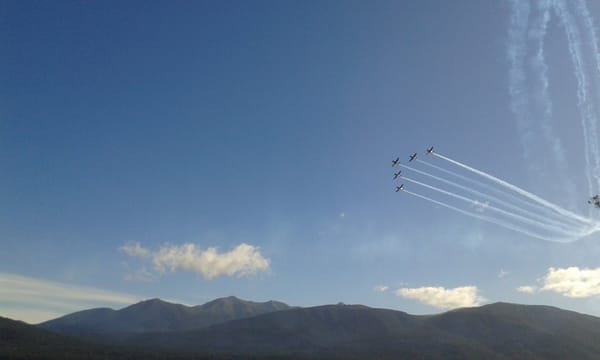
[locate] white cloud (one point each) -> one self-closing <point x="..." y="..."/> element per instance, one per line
<point x="381" y="288"/>
<point x="572" y="282"/>
<point x="442" y="298"/>
<point x="35" y="300"/>
<point x="526" y="289"/>
<point x="243" y="260"/>
<point x="135" y="250"/>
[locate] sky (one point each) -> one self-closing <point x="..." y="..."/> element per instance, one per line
<point x="190" y="150"/>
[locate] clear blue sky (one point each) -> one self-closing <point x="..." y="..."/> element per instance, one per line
<point x="150" y="125"/>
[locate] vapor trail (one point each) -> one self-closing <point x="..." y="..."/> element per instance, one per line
<point x="517" y="189"/>
<point x="488" y="219"/>
<point x="591" y="30"/>
<point x="493" y="208"/>
<point x="493" y="198"/>
<point x="540" y="69"/>
<point x="574" y="43"/>
<point x="502" y="192"/>
<point x="517" y="49"/>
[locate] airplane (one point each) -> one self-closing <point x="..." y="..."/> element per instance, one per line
<point x="395" y="162"/>
<point x="401" y="187"/>
<point x="430" y="150"/>
<point x="595" y="200"/>
<point x="396" y="175"/>
<point x="412" y="157"/>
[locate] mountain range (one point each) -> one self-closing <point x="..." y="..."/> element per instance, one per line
<point x="156" y="315"/>
<point x="234" y="328"/>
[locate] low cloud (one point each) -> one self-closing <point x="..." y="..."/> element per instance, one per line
<point x="243" y="260"/>
<point x="443" y="298"/>
<point x="526" y="289"/>
<point x="572" y="282"/>
<point x="35" y="300"/>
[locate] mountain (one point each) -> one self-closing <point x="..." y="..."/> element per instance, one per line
<point x="156" y="315"/>
<point x="496" y="331"/>
<point x="19" y="340"/>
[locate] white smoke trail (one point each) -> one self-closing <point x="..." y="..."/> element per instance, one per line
<point x="518" y="190"/>
<point x="498" y="210"/>
<point x="548" y="221"/>
<point x="504" y="193"/>
<point x="517" y="49"/>
<point x="491" y="220"/>
<point x="591" y="31"/>
<point x="540" y="69"/>
<point x="574" y="43"/>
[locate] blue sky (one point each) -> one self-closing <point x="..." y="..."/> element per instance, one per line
<point x="193" y="150"/>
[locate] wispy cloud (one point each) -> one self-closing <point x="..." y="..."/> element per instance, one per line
<point x="527" y="289"/>
<point x="502" y="273"/>
<point x="443" y="298"/>
<point x="381" y="288"/>
<point x="572" y="282"/>
<point x="35" y="300"/>
<point x="243" y="260"/>
<point x="141" y="275"/>
<point x="134" y="249"/>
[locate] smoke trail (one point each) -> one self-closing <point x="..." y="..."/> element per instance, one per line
<point x="540" y="69"/>
<point x="492" y="198"/>
<point x="488" y="219"/>
<point x="517" y="49"/>
<point x="591" y="30"/>
<point x="518" y="190"/>
<point x="574" y="42"/>
<point x="504" y="193"/>
<point x="498" y="210"/>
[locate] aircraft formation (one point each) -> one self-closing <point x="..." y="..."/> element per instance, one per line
<point x="478" y="194"/>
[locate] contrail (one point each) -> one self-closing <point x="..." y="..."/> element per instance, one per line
<point x="498" y="210"/>
<point x="517" y="49"/>
<point x="591" y="30"/>
<point x="540" y="69"/>
<point x="574" y="43"/>
<point x="493" y="198"/>
<point x="517" y="189"/>
<point x="524" y="202"/>
<point x="488" y="219"/>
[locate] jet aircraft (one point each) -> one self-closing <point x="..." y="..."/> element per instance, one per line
<point x="412" y="157"/>
<point x="395" y="162"/>
<point x="595" y="200"/>
<point x="430" y="150"/>
<point x="399" y="188"/>
<point x="396" y="175"/>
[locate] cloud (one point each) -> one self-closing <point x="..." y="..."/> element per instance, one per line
<point x="502" y="273"/>
<point x="142" y="275"/>
<point x="480" y="206"/>
<point x="35" y="300"/>
<point x="572" y="282"/>
<point x="381" y="288"/>
<point x="526" y="289"/>
<point x="135" y="250"/>
<point x="243" y="260"/>
<point x="442" y="298"/>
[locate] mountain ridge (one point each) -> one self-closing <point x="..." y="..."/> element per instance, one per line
<point x="156" y="315"/>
